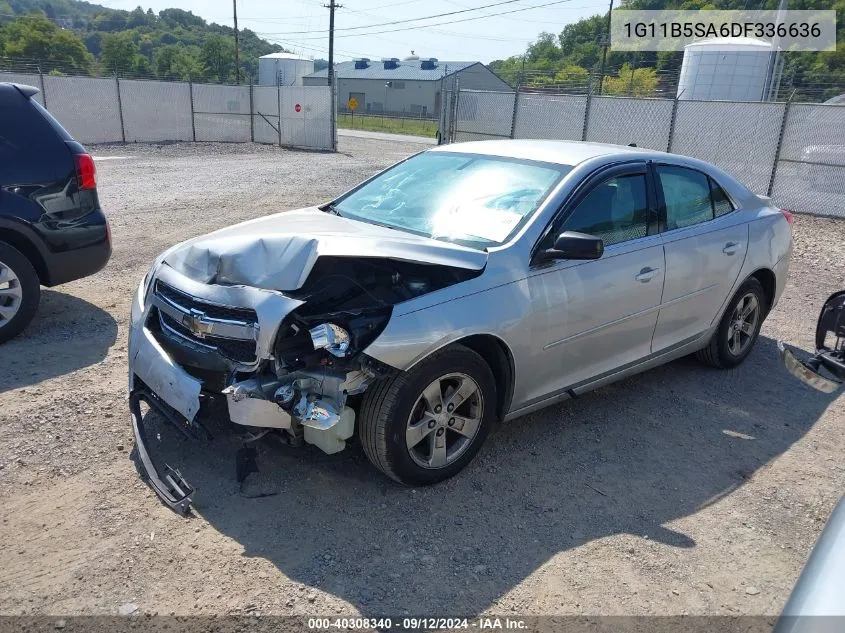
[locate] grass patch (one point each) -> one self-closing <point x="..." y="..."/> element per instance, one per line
<point x="394" y="125"/>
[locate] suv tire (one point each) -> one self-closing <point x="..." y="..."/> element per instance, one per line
<point x="16" y="273"/>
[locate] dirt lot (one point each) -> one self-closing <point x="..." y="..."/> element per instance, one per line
<point x="632" y="500"/>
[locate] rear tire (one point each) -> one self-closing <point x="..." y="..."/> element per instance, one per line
<point x="20" y="292"/>
<point x="736" y="335"/>
<point x="406" y="439"/>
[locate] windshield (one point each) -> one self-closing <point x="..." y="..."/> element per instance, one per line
<point x="465" y="198"/>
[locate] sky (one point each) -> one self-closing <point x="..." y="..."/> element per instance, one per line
<point x="302" y="25"/>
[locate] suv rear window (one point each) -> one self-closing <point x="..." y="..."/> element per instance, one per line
<point x="32" y="146"/>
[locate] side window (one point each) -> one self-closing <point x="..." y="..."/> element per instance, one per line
<point x="615" y="210"/>
<point x="721" y="203"/>
<point x="687" y="196"/>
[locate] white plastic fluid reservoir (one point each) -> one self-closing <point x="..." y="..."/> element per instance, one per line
<point x="333" y="440"/>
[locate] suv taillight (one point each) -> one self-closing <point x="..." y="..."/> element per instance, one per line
<point x="86" y="172"/>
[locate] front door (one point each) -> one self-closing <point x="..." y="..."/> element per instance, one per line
<point x="705" y="246"/>
<point x="591" y="317"/>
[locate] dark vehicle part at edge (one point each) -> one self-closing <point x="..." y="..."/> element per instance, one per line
<point x="829" y="357"/>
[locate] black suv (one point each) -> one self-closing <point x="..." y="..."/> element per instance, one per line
<point x="52" y="229"/>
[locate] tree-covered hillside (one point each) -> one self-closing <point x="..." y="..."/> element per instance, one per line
<point x="69" y="36"/>
<point x="566" y="60"/>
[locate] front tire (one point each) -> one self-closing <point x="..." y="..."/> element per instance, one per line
<point x="425" y="425"/>
<point x="20" y="292"/>
<point x="739" y="328"/>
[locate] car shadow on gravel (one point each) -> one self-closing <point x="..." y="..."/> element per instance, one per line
<point x="625" y="459"/>
<point x="68" y="333"/>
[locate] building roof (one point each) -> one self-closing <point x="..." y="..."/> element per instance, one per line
<point x="284" y="56"/>
<point x="404" y="70"/>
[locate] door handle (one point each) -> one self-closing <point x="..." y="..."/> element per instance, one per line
<point x="730" y="248"/>
<point x="646" y="274"/>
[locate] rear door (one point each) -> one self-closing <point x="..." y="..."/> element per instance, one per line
<point x="592" y="317"/>
<point x="705" y="244"/>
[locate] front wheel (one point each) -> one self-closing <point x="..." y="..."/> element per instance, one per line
<point x="739" y="328"/>
<point x="423" y="426"/>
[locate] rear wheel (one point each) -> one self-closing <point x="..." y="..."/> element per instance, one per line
<point x="425" y="425"/>
<point x="739" y="328"/>
<point x="20" y="292"/>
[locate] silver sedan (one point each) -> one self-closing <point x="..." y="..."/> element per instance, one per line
<point x="467" y="284"/>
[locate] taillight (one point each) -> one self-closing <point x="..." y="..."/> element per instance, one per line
<point x="790" y="217"/>
<point x="86" y="172"/>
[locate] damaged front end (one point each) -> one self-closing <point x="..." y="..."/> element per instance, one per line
<point x="285" y="362"/>
<point x="825" y="370"/>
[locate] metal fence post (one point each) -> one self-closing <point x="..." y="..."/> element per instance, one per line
<point x="279" y="107"/>
<point x="120" y="108"/>
<point x="43" y="89"/>
<point x="456" y="85"/>
<point x="251" y="114"/>
<point x="780" y="144"/>
<point x="672" y="123"/>
<point x="515" y="108"/>
<point x="193" y="121"/>
<point x="587" y="111"/>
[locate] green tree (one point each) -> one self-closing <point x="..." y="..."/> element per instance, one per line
<point x="637" y="82"/>
<point x="119" y="52"/>
<point x="176" y="62"/>
<point x="218" y="58"/>
<point x="36" y="37"/>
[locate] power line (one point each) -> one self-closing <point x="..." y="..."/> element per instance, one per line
<point x="423" y="26"/>
<point x="428" y="17"/>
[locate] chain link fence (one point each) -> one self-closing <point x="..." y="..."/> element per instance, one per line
<point x="111" y="109"/>
<point x="793" y="152"/>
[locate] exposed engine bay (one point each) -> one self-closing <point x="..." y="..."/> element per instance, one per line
<point x="317" y="359"/>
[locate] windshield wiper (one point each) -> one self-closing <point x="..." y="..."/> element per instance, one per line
<point x="331" y="208"/>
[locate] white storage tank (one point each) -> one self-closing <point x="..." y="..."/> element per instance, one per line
<point x="286" y="69"/>
<point x="727" y="69"/>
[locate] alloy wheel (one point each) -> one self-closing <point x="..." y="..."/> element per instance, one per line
<point x="10" y="294"/>
<point x="444" y="420"/>
<point x="743" y="324"/>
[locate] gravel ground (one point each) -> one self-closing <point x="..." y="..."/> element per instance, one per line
<point x="684" y="490"/>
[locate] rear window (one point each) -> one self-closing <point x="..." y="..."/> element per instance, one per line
<point x="32" y="146"/>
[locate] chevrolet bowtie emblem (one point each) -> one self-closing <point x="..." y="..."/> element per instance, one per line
<point x="196" y="323"/>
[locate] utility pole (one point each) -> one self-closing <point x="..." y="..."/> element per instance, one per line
<point x="604" y="48"/>
<point x="331" y="6"/>
<point x="237" y="54"/>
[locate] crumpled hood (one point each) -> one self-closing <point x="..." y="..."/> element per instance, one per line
<point x="277" y="252"/>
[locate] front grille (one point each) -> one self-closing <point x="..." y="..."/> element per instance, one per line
<point x="241" y="351"/>
<point x="240" y="324"/>
<point x="213" y="310"/>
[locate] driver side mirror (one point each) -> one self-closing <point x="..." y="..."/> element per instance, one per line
<point x="572" y="245"/>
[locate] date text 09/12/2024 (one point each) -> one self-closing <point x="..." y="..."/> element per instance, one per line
<point x="418" y="623"/>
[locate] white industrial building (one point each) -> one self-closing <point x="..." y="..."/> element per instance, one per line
<point x="729" y="69"/>
<point x="283" y="69"/>
<point x="412" y="86"/>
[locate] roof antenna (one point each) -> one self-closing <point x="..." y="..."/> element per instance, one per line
<point x="632" y="144"/>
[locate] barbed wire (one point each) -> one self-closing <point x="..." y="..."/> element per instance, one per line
<point x="663" y="84"/>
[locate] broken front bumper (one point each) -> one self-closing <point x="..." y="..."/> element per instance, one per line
<point x="173" y="490"/>
<point x="806" y="373"/>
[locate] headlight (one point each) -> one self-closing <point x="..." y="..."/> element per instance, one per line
<point x="330" y="337"/>
<point x="144" y="287"/>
